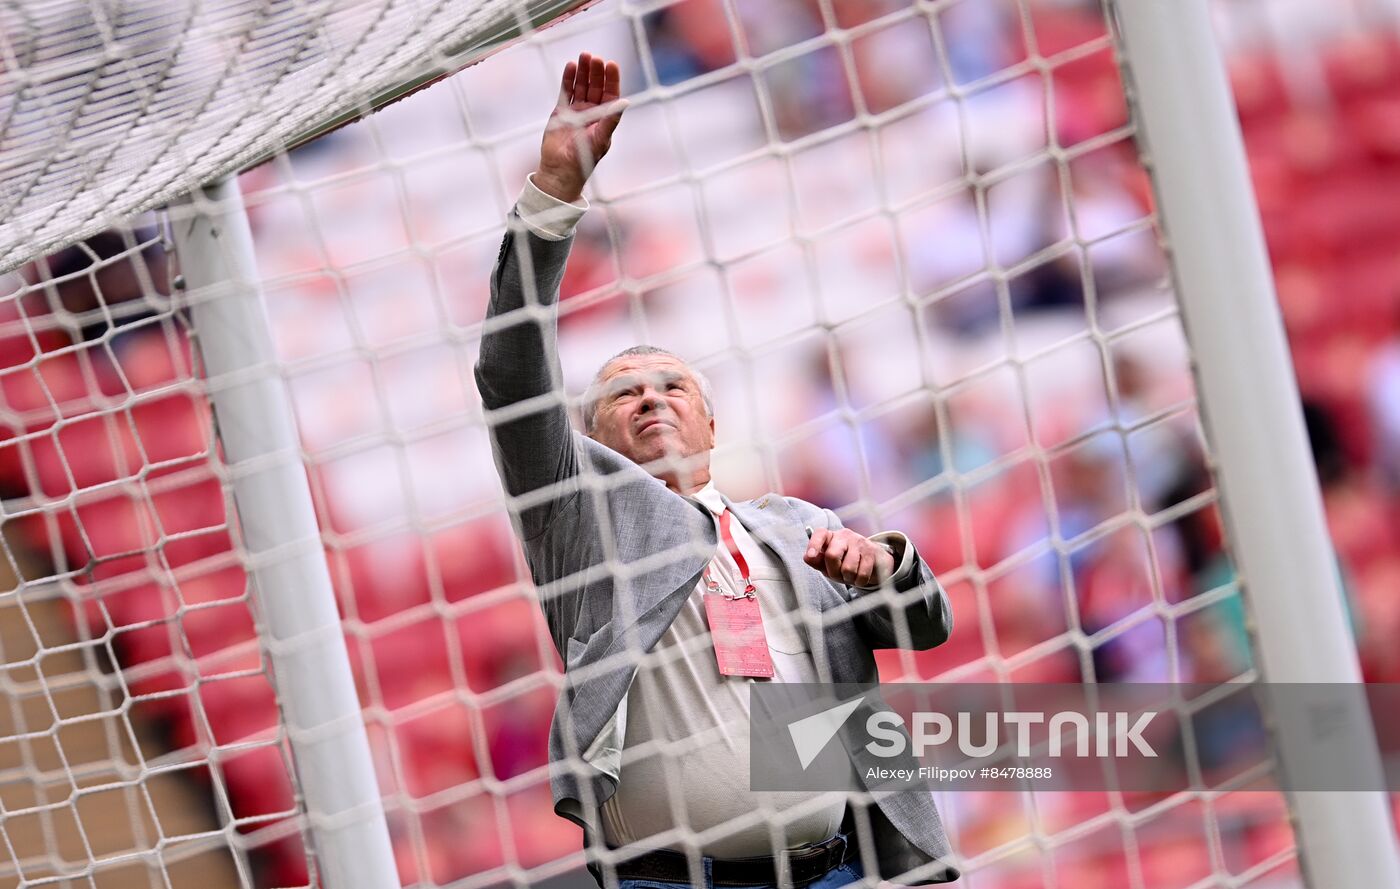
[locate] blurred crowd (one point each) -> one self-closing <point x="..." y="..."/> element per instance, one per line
<point x="940" y="306"/>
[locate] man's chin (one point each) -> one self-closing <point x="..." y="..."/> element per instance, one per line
<point x="663" y="462"/>
<point x="649" y="447"/>
<point x="656" y="460"/>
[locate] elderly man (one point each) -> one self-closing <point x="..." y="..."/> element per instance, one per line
<point x="666" y="600"/>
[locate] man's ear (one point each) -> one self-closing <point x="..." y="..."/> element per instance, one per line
<point x="583" y="417"/>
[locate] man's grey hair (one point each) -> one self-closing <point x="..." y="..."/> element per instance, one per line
<point x="594" y="393"/>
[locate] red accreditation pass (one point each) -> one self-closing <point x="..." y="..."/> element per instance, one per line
<point x="736" y="626"/>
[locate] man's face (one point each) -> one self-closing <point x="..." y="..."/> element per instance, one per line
<point x="651" y="408"/>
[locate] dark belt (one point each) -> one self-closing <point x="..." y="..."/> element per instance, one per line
<point x="806" y="865"/>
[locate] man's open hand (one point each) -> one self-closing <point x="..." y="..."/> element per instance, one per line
<point x="847" y="557"/>
<point x="580" y="130"/>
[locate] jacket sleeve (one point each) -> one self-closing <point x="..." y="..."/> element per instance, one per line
<point x="910" y="610"/>
<point x="520" y="381"/>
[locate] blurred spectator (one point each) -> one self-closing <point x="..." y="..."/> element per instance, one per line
<point x="102" y="273"/>
<point x="980" y="38"/>
<point x="1164" y="458"/>
<point x="688" y="38"/>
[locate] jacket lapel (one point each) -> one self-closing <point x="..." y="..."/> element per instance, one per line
<point x="760" y="523"/>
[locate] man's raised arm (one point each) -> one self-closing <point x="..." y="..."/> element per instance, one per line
<point x="518" y="371"/>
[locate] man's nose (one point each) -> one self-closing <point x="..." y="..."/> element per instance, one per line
<point x="651" y="399"/>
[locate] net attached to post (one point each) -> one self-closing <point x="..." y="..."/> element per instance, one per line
<point x="110" y="109"/>
<point x="913" y="250"/>
<point x="912" y="247"/>
<point x="141" y="745"/>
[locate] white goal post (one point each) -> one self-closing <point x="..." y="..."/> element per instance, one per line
<point x="281" y="539"/>
<point x="1191" y="142"/>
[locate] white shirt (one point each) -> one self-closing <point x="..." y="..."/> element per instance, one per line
<point x="546" y="215"/>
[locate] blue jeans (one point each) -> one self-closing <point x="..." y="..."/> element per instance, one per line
<point x="850" y="872"/>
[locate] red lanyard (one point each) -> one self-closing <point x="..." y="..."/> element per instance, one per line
<point x="739" y="560"/>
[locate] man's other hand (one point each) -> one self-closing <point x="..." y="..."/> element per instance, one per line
<point x="580" y="129"/>
<point x="847" y="557"/>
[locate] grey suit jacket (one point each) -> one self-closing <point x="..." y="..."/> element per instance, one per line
<point x="614" y="554"/>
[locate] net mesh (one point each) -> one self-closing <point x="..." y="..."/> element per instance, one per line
<point x="910" y="244"/>
<point x="110" y="109"/>
<point x="141" y="744"/>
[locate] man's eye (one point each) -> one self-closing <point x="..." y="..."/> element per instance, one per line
<point x="676" y="387"/>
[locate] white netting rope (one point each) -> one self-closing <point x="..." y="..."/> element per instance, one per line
<point x="107" y="110"/>
<point x="116" y="758"/>
<point x="751" y="244"/>
<point x="1103" y="340"/>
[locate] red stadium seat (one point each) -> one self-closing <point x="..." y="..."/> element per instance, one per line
<point x="1362" y="65"/>
<point x="1257" y="85"/>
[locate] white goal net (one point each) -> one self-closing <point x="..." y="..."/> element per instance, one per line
<point x="110" y="109"/>
<point x="911" y="245"/>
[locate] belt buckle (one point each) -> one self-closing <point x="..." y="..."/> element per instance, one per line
<point x="841" y="844"/>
